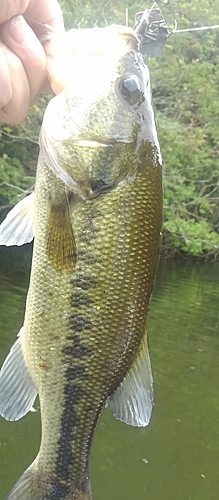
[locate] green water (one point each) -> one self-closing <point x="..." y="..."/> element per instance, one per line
<point x="176" y="457"/>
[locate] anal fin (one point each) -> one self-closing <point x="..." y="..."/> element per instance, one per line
<point x="17" y="389"/>
<point x="133" y="400"/>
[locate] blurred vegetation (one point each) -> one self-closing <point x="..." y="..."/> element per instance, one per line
<point x="185" y="84"/>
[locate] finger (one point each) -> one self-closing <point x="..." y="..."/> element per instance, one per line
<point x="5" y="82"/>
<point x="10" y="8"/>
<point x="19" y="37"/>
<point x="48" y="12"/>
<point x="37" y="12"/>
<point x="16" y="109"/>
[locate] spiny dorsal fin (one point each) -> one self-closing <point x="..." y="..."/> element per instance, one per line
<point x="18" y="226"/>
<point x="133" y="400"/>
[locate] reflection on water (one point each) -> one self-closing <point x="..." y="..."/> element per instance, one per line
<point x="176" y="457"/>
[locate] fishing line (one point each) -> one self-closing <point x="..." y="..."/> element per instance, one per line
<point x="126" y="17"/>
<point x="43" y="25"/>
<point x="143" y="19"/>
<point x="50" y="28"/>
<point x="197" y="29"/>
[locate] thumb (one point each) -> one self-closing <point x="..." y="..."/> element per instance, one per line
<point x="17" y="35"/>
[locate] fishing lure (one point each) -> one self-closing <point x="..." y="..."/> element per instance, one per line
<point x="152" y="30"/>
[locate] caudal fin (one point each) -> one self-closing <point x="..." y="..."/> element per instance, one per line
<point x="24" y="488"/>
<point x="34" y="486"/>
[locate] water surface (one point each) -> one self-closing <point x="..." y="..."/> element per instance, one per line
<point x="176" y="457"/>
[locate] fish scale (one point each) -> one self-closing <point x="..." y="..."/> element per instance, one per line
<point x="98" y="213"/>
<point x="104" y="323"/>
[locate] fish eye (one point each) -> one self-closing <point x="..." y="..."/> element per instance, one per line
<point x="130" y="89"/>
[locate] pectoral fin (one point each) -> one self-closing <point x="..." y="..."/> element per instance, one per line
<point x="60" y="243"/>
<point x="18" y="226"/>
<point x="17" y="389"/>
<point x="133" y="400"/>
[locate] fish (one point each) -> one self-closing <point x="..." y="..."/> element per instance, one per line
<point x="96" y="217"/>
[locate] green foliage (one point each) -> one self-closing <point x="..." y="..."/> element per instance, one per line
<point x="18" y="156"/>
<point x="14" y="180"/>
<point x="87" y="14"/>
<point x="191" y="189"/>
<point x="185" y="92"/>
<point x="185" y="83"/>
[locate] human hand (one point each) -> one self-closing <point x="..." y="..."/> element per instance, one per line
<point x="23" y="60"/>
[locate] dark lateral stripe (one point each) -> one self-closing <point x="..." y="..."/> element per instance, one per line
<point x="77" y="351"/>
<point x="65" y="456"/>
<point x="73" y="392"/>
<point x="78" y="299"/>
<point x="78" y="323"/>
<point x="58" y="489"/>
<point x="83" y="281"/>
<point x="74" y="372"/>
<point x="88" y="257"/>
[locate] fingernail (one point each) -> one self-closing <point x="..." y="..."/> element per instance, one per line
<point x="17" y="29"/>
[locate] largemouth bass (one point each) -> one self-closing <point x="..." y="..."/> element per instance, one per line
<point x="96" y="216"/>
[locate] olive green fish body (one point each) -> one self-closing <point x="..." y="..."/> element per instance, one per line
<point x="98" y="213"/>
<point x="93" y="308"/>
